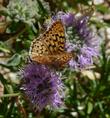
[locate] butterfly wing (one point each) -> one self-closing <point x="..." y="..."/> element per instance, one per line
<point x="60" y="60"/>
<point x="55" y="38"/>
<point x="38" y="48"/>
<point x="51" y="42"/>
<point x="53" y="60"/>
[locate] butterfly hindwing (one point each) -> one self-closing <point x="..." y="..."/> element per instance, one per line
<point x="38" y="48"/>
<point x="53" y="60"/>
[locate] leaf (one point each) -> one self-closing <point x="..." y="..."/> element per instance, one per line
<point x="102" y="8"/>
<point x="14" y="60"/>
<point x="90" y="107"/>
<point x="4" y="48"/>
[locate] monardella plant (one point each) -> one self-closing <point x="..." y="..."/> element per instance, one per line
<point x="40" y="84"/>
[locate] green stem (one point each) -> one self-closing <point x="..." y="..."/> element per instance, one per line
<point x="10" y="95"/>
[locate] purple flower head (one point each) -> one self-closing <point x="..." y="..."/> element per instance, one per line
<point x="84" y="58"/>
<point x="41" y="86"/>
<point x="83" y="31"/>
<point x="80" y="39"/>
<point x="67" y="19"/>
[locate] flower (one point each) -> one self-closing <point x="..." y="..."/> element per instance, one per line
<point x="79" y="39"/>
<point x="41" y="86"/>
<point x="67" y="19"/>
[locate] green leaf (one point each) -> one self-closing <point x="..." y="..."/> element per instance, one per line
<point x="4" y="48"/>
<point x="14" y="60"/>
<point x="90" y="107"/>
<point x="102" y="8"/>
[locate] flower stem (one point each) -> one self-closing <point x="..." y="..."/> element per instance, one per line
<point x="10" y="95"/>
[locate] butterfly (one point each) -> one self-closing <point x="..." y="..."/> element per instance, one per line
<point x="49" y="48"/>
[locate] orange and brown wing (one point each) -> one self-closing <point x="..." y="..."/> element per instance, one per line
<point x="54" y="38"/>
<point x="38" y="48"/>
<point x="53" y="60"/>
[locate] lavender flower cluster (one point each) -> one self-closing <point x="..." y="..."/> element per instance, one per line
<point x="41" y="86"/>
<point x="81" y="40"/>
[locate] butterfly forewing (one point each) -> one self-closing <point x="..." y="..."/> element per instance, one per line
<point x="54" y="38"/>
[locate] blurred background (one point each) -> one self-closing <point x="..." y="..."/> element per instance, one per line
<point x="87" y="91"/>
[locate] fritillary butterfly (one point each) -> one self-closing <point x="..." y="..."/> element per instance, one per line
<point x="48" y="49"/>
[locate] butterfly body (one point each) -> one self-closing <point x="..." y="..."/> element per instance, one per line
<point x="49" y="48"/>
